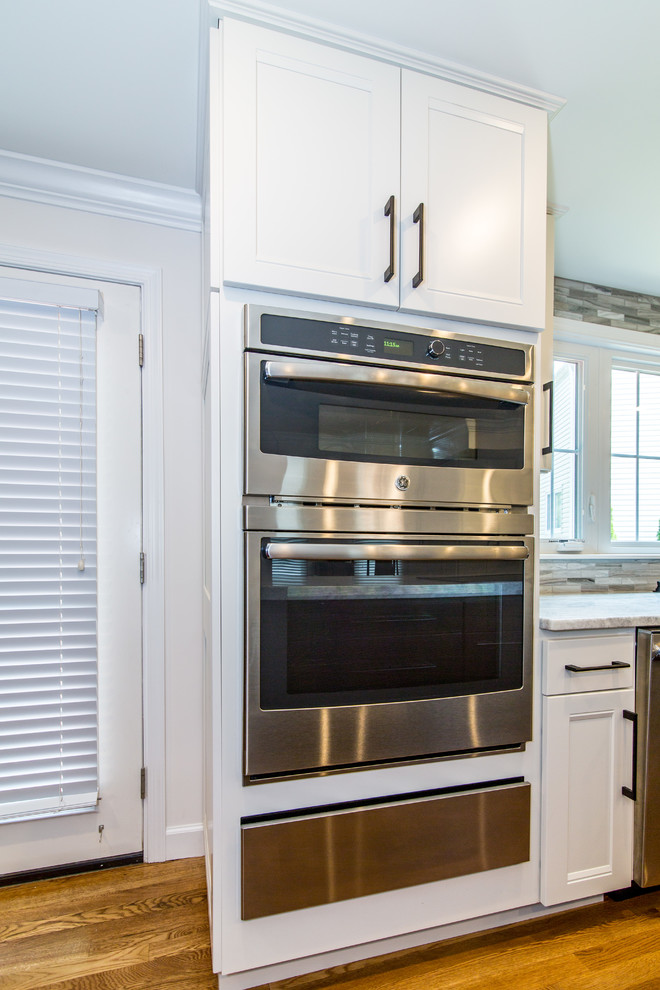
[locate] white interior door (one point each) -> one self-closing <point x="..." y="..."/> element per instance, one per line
<point x="113" y="827"/>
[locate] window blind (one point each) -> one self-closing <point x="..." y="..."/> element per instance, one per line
<point x="48" y="593"/>
<point x="634" y="457"/>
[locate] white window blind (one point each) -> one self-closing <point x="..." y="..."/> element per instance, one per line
<point x="635" y="455"/>
<point x="48" y="652"/>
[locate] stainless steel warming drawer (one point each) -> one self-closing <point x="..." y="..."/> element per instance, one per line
<point x="310" y="858"/>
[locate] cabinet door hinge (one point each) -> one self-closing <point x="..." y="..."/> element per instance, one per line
<point x="143" y="783"/>
<point x="141" y="349"/>
<point x="141" y="568"/>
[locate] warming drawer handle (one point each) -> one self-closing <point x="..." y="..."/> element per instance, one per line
<point x="615" y="665"/>
<point x="390" y="212"/>
<point x="388" y="551"/>
<point x="631" y="792"/>
<point x="338" y="374"/>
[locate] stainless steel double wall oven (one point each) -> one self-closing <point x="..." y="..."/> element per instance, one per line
<point x="389" y="555"/>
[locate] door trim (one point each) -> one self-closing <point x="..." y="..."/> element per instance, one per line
<point x="149" y="281"/>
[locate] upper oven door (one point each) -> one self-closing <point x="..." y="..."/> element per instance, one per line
<point x="327" y="430"/>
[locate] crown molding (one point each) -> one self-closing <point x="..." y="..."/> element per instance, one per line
<point x="267" y="15"/>
<point x="58" y="184"/>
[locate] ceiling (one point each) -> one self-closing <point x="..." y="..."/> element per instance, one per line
<point x="115" y="86"/>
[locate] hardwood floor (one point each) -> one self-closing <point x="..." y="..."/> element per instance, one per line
<point x="146" y="926"/>
<point x="131" y="927"/>
<point x="607" y="946"/>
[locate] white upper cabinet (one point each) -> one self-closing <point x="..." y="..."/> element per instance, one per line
<point x="477" y="164"/>
<point x="311" y="157"/>
<point x="316" y="142"/>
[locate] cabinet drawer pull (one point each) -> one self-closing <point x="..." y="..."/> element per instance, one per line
<point x="418" y="217"/>
<point x="615" y="665"/>
<point x="390" y="212"/>
<point x="631" y="792"/>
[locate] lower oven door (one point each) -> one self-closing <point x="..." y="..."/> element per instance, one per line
<point x="381" y="649"/>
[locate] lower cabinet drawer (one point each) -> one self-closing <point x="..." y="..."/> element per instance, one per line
<point x="331" y="854"/>
<point x="573" y="665"/>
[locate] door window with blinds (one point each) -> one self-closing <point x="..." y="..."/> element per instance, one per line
<point x="48" y="587"/>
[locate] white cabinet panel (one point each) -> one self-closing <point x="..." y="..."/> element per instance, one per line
<point x="311" y="152"/>
<point x="477" y="163"/>
<point x="586" y="832"/>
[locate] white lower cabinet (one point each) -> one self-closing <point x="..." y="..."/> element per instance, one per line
<point x="587" y="819"/>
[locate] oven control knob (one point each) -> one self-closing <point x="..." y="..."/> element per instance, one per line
<point x="435" y="349"/>
<point x="402" y="482"/>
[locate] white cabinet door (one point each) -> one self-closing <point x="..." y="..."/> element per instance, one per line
<point x="311" y="158"/>
<point x="477" y="163"/>
<point x="587" y="822"/>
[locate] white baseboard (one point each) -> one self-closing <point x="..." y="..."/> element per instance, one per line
<point x="184" y="841"/>
<point x="341" y="957"/>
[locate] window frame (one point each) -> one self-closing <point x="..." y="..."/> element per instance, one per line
<point x="599" y="348"/>
<point x="580" y="362"/>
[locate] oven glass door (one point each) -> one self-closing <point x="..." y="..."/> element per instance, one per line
<point x="387" y="416"/>
<point x="361" y="622"/>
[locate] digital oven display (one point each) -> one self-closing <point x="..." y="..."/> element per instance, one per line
<point x="400" y="348"/>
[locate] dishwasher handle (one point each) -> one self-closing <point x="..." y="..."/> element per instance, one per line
<point x="631" y="792"/>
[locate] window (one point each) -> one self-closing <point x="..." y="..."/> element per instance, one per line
<point x="560" y="519"/>
<point x="604" y="487"/>
<point x="635" y="455"/>
<point x="48" y="711"/>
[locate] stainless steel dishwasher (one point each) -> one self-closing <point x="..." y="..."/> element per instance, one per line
<point x="646" y="872"/>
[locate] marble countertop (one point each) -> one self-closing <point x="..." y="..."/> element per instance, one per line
<point x="585" y="611"/>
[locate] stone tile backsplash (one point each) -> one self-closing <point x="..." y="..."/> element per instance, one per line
<point x="606" y="306"/>
<point x="566" y="577"/>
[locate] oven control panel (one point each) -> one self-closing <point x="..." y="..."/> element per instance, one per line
<point x="392" y="346"/>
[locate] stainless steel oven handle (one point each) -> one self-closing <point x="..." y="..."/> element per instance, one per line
<point x="393" y="378"/>
<point x="389" y="551"/>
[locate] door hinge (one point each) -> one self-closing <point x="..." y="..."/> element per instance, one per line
<point x="141" y="349"/>
<point x="143" y="783"/>
<point x="141" y="568"/>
